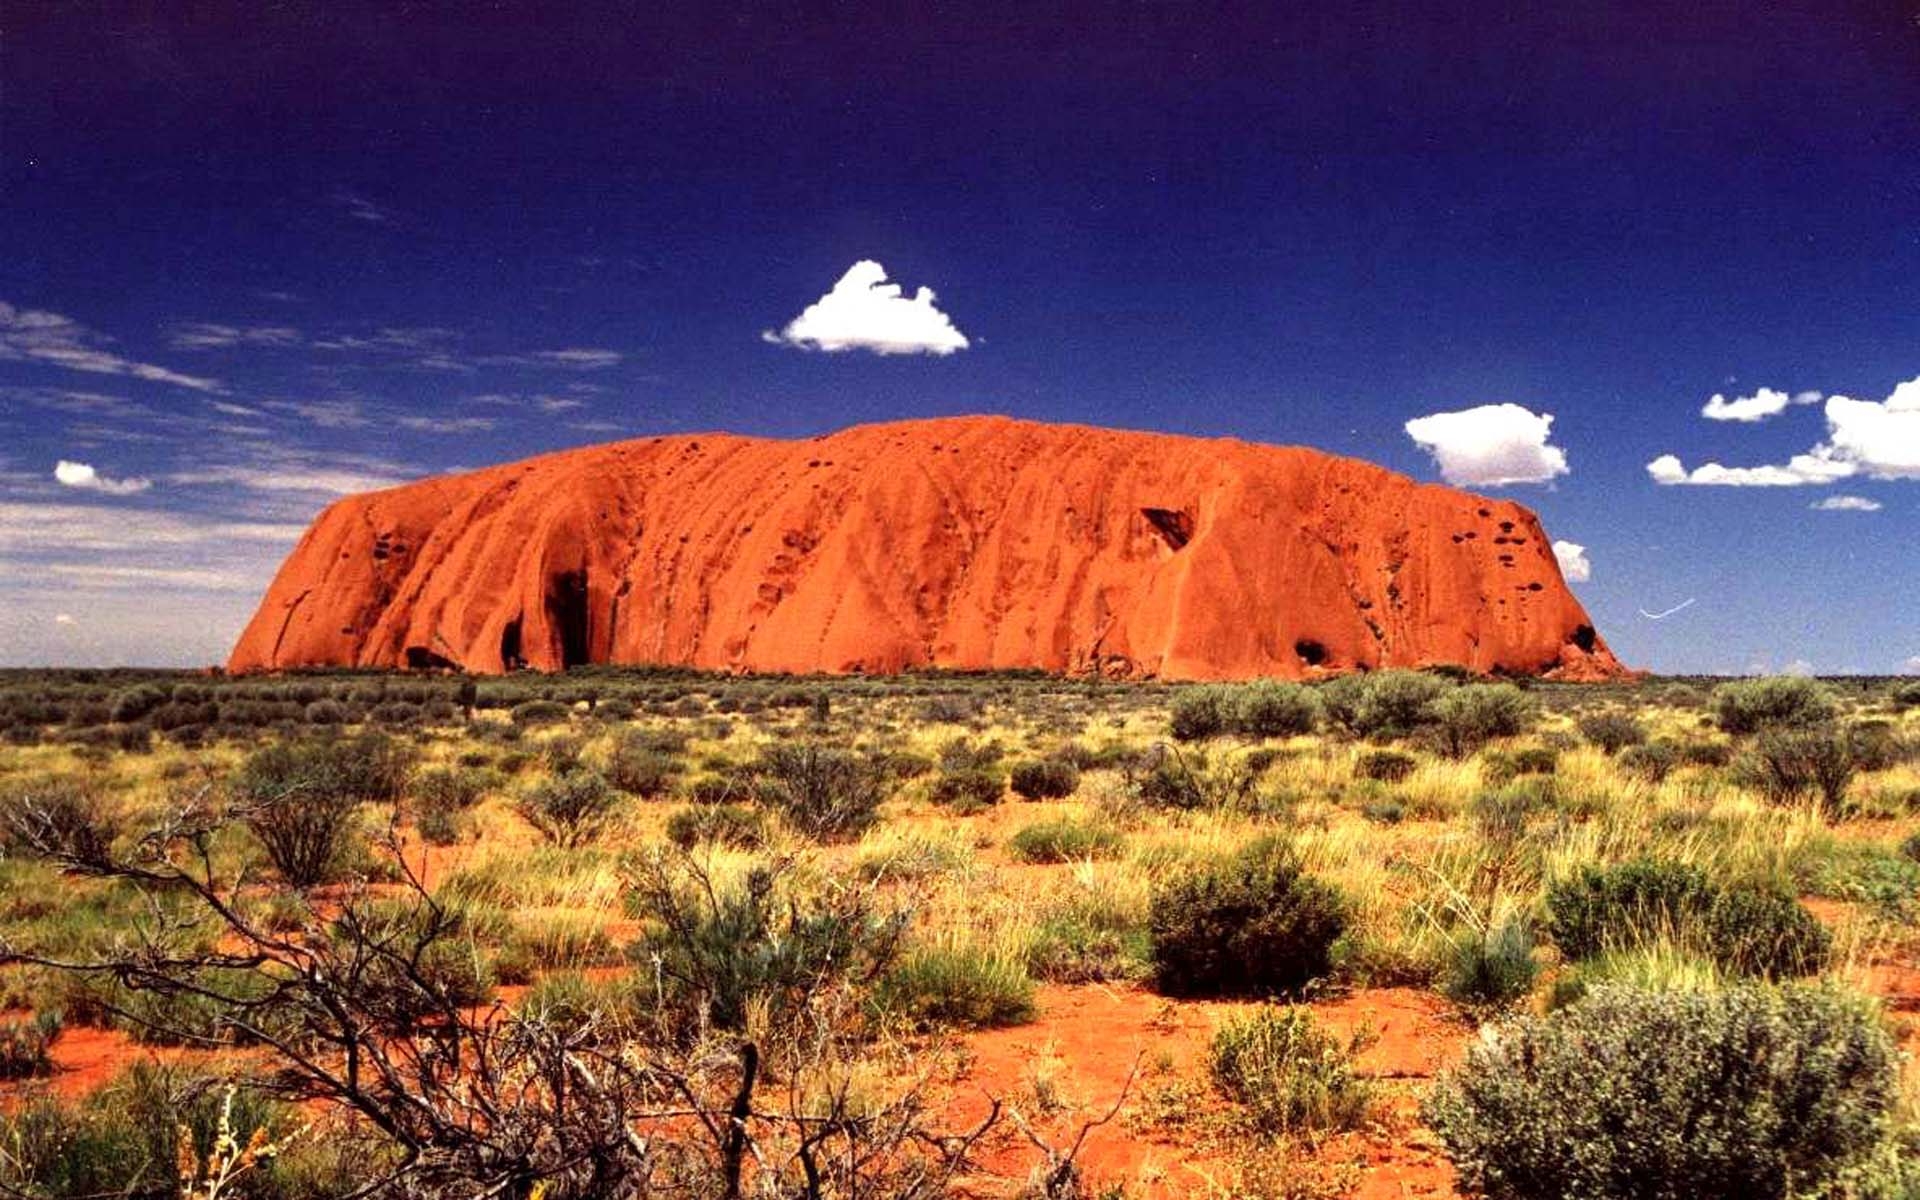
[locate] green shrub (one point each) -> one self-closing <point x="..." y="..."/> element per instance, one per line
<point x="540" y="712"/>
<point x="960" y="987"/>
<point x="1064" y="841"/>
<point x="1272" y="709"/>
<point x="1492" y="968"/>
<point x="1045" y="779"/>
<point x="1907" y="695"/>
<point x="1089" y="939"/>
<point x="641" y="764"/>
<point x="1469" y="717"/>
<point x="1251" y="924"/>
<point x="571" y="809"/>
<point x="1199" y="713"/>
<point x="1777" y="702"/>
<point x="325" y="712"/>
<point x="1612" y="732"/>
<point x="1627" y="1094"/>
<point x="968" y="789"/>
<point x="1651" y="762"/>
<point x="1385" y="766"/>
<point x="738" y="825"/>
<point x="1528" y="760"/>
<point x="827" y="794"/>
<point x="1631" y="905"/>
<point x="1191" y="778"/>
<point x="299" y="798"/>
<point x="1290" y="1076"/>
<point x="1395" y="703"/>
<point x="1910" y="848"/>
<point x="1791" y="766"/>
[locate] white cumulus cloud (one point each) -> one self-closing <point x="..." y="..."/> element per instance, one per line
<point x="1879" y="439"/>
<point x="1846" y="504"/>
<point x="1492" y="445"/>
<point x="865" y="312"/>
<point x="1911" y="666"/>
<point x="83" y="476"/>
<point x="1758" y="407"/>
<point x="1575" y="566"/>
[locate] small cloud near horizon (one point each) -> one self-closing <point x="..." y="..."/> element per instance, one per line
<point x="864" y="311"/>
<point x="1846" y="504"/>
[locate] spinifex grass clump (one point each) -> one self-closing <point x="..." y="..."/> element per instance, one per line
<point x="1628" y="1094"/>
<point x="1252" y="924"/>
<point x="1064" y="840"/>
<point x="1288" y="1074"/>
<point x="962" y="986"/>
<point x="826" y="793"/>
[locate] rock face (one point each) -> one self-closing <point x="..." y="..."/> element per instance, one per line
<point x="973" y="542"/>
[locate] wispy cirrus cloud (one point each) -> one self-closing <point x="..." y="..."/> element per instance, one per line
<point x="209" y="336"/>
<point x="49" y="339"/>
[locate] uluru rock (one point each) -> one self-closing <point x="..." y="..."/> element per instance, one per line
<point x="972" y="542"/>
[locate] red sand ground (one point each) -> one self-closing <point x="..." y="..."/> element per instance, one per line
<point x="969" y="542"/>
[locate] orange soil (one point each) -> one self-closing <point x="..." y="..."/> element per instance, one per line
<point x="1088" y="1039"/>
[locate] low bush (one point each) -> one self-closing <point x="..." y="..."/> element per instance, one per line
<point x="1045" y="779"/>
<point x="300" y="797"/>
<point x="1528" y="760"/>
<point x="1466" y="718"/>
<point x="1777" y="702"/>
<point x="1651" y="762"/>
<point x="826" y="793"/>
<point x="1385" y="766"/>
<point x="640" y="764"/>
<point x="738" y="825"/>
<point x="967" y="789"/>
<point x="956" y="986"/>
<point x="1383" y="704"/>
<point x="540" y="712"/>
<point x="1289" y="1075"/>
<point x="1252" y="924"/>
<point x="1629" y="1094"/>
<point x="1090" y="938"/>
<point x="1612" y="732"/>
<point x="1064" y="841"/>
<point x="1746" y="930"/>
<point x="1272" y="709"/>
<point x="1791" y="766"/>
<point x="571" y="809"/>
<point x="1199" y="713"/>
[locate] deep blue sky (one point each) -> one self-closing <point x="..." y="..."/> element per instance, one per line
<point x="1289" y="228"/>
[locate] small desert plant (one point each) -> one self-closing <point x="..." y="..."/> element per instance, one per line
<point x="1709" y="1095"/>
<point x="1651" y="761"/>
<point x="1747" y="930"/>
<point x="737" y="825"/>
<point x="1200" y="713"/>
<point x="641" y="764"/>
<point x="1793" y="765"/>
<point x="1045" y="779"/>
<point x="1388" y="704"/>
<point x="967" y="789"/>
<point x="571" y="809"/>
<point x="1270" y="708"/>
<point x="1385" y="766"/>
<point x="540" y="712"/>
<point x="1493" y="967"/>
<point x="1252" y="924"/>
<point x="961" y="986"/>
<point x="1612" y="732"/>
<point x="1777" y="702"/>
<point x="1290" y="1076"/>
<point x="826" y="793"/>
<point x="1469" y="717"/>
<point x="1064" y="841"/>
<point x="299" y="798"/>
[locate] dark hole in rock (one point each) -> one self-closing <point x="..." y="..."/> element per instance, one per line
<point x="567" y="612"/>
<point x="1173" y="526"/>
<point x="1311" y="652"/>
<point x="1585" y="638"/>
<point x="419" y="658"/>
<point x="510" y="656"/>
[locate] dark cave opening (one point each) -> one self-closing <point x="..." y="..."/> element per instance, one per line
<point x="1585" y="638"/>
<point x="1173" y="526"/>
<point x="567" y="613"/>
<point x="1311" y="652"/>
<point x="510" y="656"/>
